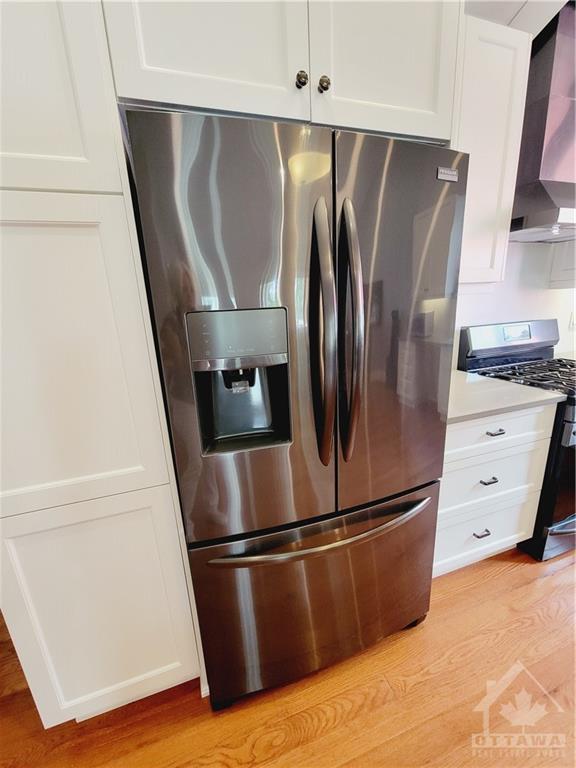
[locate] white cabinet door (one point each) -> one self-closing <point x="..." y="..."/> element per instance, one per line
<point x="95" y="599"/>
<point x="57" y="120"/>
<point x="239" y="56"/>
<point x="79" y="413"/>
<point x="391" y="65"/>
<point x="491" y="94"/>
<point x="563" y="268"/>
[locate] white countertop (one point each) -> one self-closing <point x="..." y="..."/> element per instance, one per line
<point x="473" y="396"/>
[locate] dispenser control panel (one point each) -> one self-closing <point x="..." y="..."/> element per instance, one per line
<point x="237" y="333"/>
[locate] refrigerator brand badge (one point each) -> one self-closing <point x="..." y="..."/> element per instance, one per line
<point x="447" y="174"/>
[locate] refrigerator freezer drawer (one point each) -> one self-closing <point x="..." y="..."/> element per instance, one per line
<point x="276" y="607"/>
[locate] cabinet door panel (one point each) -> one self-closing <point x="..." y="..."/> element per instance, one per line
<point x="563" y="268"/>
<point x="95" y="598"/>
<point x="57" y="117"/>
<point x="239" y="56"/>
<point x="391" y="65"/>
<point x="80" y="417"/>
<point x="488" y="125"/>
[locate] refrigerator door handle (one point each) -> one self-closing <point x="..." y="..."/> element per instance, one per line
<point x="329" y="340"/>
<point x="247" y="561"/>
<point x="357" y="286"/>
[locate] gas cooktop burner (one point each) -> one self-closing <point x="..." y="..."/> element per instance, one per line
<point x="559" y="374"/>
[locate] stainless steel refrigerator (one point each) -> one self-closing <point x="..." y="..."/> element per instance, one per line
<point x="303" y="285"/>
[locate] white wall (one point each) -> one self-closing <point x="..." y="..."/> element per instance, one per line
<point x="523" y="295"/>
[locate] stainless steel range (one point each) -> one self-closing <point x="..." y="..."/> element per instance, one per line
<point x="558" y="375"/>
<point x="523" y="353"/>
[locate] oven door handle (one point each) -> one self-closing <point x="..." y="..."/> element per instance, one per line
<point x="246" y="561"/>
<point x="558" y="528"/>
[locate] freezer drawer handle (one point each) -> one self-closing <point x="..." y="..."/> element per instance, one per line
<point x="349" y="435"/>
<point x="497" y="433"/>
<point x="329" y="347"/>
<point x="246" y="561"/>
<point x="492" y="481"/>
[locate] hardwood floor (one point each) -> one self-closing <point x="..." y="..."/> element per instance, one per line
<point x="410" y="701"/>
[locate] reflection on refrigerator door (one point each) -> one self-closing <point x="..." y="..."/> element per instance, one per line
<point x="235" y="216"/>
<point x="398" y="235"/>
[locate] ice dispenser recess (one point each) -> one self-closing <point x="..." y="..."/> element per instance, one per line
<point x="239" y="360"/>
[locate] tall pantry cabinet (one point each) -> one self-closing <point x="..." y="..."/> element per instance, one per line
<point x="94" y="588"/>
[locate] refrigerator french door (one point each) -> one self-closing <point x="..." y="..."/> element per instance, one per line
<point x="236" y="219"/>
<point x="302" y="284"/>
<point x="398" y="254"/>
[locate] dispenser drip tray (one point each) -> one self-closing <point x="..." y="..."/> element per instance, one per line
<point x="243" y="409"/>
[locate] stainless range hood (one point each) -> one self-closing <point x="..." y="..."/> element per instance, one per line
<point x="545" y="200"/>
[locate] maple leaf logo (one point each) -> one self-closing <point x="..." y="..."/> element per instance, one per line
<point x="522" y="712"/>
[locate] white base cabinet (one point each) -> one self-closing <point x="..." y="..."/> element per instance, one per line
<point x="94" y="596"/>
<point x="493" y="472"/>
<point x="488" y="119"/>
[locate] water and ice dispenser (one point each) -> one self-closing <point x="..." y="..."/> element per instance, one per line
<point x="239" y="360"/>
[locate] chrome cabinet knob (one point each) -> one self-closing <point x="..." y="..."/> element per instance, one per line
<point x="301" y="78"/>
<point x="324" y="83"/>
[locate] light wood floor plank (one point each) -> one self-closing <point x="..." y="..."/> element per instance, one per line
<point x="407" y="702"/>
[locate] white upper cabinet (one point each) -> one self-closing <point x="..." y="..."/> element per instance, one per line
<point x="80" y="417"/>
<point x="238" y="56"/>
<point x="489" y="114"/>
<point x="391" y="65"/>
<point x="56" y="121"/>
<point x="563" y="267"/>
<point x="386" y="66"/>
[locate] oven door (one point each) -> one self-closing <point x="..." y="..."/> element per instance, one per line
<point x="555" y="525"/>
<point x="561" y="533"/>
<point x="276" y="607"/>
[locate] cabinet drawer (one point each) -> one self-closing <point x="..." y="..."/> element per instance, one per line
<point x="498" y="527"/>
<point x="472" y="482"/>
<point x="494" y="433"/>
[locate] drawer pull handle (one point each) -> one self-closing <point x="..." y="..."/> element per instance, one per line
<point x="498" y="433"/>
<point x="492" y="481"/>
<point x="485" y="532"/>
